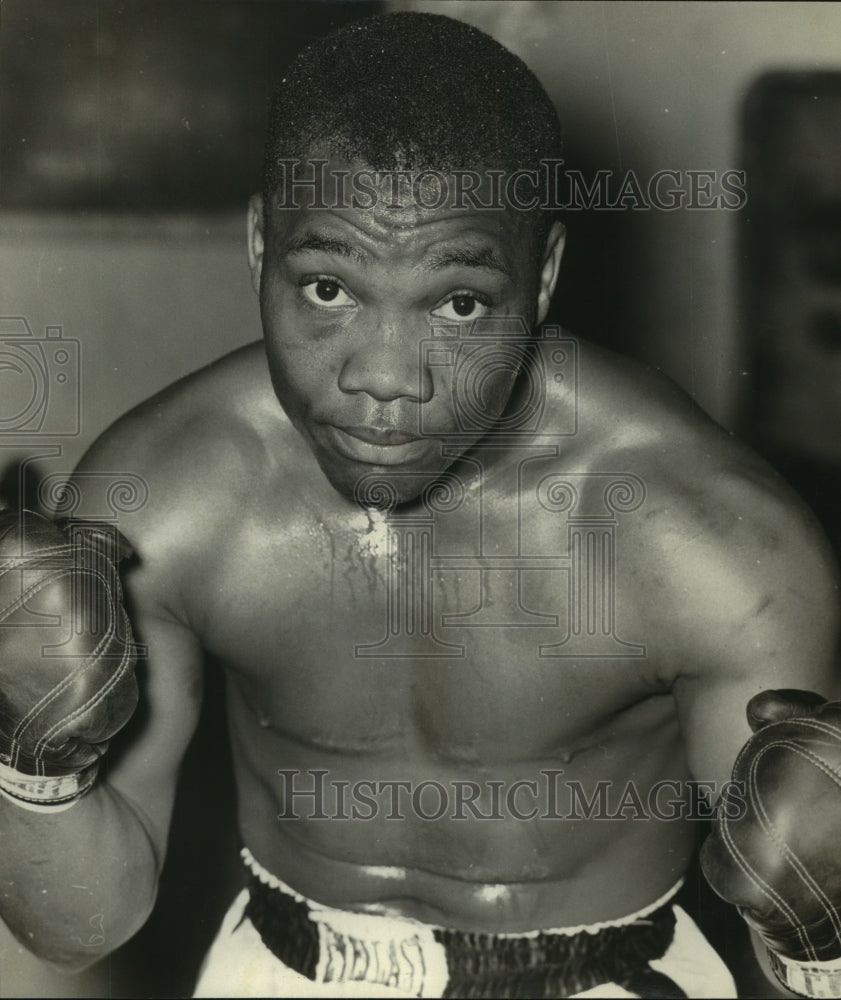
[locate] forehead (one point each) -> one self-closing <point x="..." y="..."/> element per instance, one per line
<point x="398" y="208"/>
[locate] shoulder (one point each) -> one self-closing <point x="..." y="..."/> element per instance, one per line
<point x="722" y="553"/>
<point x="174" y="471"/>
<point x="737" y="544"/>
<point x="186" y="435"/>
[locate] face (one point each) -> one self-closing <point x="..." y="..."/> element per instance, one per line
<point x="354" y="302"/>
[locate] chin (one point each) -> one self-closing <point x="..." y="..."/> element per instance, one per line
<point x="382" y="487"/>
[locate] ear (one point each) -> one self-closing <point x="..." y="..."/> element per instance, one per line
<point x="550" y="269"/>
<point x="256" y="242"/>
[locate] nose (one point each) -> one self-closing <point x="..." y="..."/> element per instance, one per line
<point x="387" y="364"/>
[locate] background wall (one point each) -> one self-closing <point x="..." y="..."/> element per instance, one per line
<point x="141" y="300"/>
<point x="149" y="277"/>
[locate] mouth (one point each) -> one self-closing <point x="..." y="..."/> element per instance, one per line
<point x="376" y="446"/>
<point x="379" y="435"/>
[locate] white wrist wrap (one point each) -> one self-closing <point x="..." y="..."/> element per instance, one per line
<point x="808" y="979"/>
<point x="42" y="794"/>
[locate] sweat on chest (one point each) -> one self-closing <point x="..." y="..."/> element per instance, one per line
<point x="416" y="584"/>
<point x="424" y="622"/>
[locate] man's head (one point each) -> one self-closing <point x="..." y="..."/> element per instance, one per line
<point x="411" y="91"/>
<point x="351" y="293"/>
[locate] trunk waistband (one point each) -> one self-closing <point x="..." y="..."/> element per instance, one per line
<point x="327" y="945"/>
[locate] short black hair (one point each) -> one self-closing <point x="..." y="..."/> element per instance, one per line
<point x="411" y="91"/>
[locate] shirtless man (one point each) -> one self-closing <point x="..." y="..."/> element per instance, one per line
<point x="487" y="607"/>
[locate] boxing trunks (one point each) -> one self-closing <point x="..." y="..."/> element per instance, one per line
<point x="275" y="942"/>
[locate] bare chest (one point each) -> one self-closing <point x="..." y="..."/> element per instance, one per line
<point x="471" y="627"/>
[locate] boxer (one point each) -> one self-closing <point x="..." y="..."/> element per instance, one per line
<point x="482" y="594"/>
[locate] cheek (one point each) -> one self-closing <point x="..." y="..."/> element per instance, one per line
<point x="299" y="352"/>
<point x="304" y="374"/>
<point x="300" y="365"/>
<point x="482" y="380"/>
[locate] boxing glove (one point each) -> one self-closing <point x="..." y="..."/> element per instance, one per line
<point x="775" y="849"/>
<point x="67" y="656"/>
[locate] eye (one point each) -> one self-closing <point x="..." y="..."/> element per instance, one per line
<point x="462" y="306"/>
<point x="326" y="293"/>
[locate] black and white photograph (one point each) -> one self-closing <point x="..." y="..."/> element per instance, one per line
<point x="420" y="498"/>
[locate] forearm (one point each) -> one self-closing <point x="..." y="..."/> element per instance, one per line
<point x="76" y="884"/>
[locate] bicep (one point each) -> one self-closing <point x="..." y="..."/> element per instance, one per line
<point x="777" y="629"/>
<point x="712" y="706"/>
<point x="143" y="762"/>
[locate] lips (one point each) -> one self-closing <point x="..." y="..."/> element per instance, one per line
<point x="380" y="436"/>
<point x="377" y="446"/>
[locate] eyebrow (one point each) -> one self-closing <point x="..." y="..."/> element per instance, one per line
<point x="316" y="243"/>
<point x="486" y="259"/>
